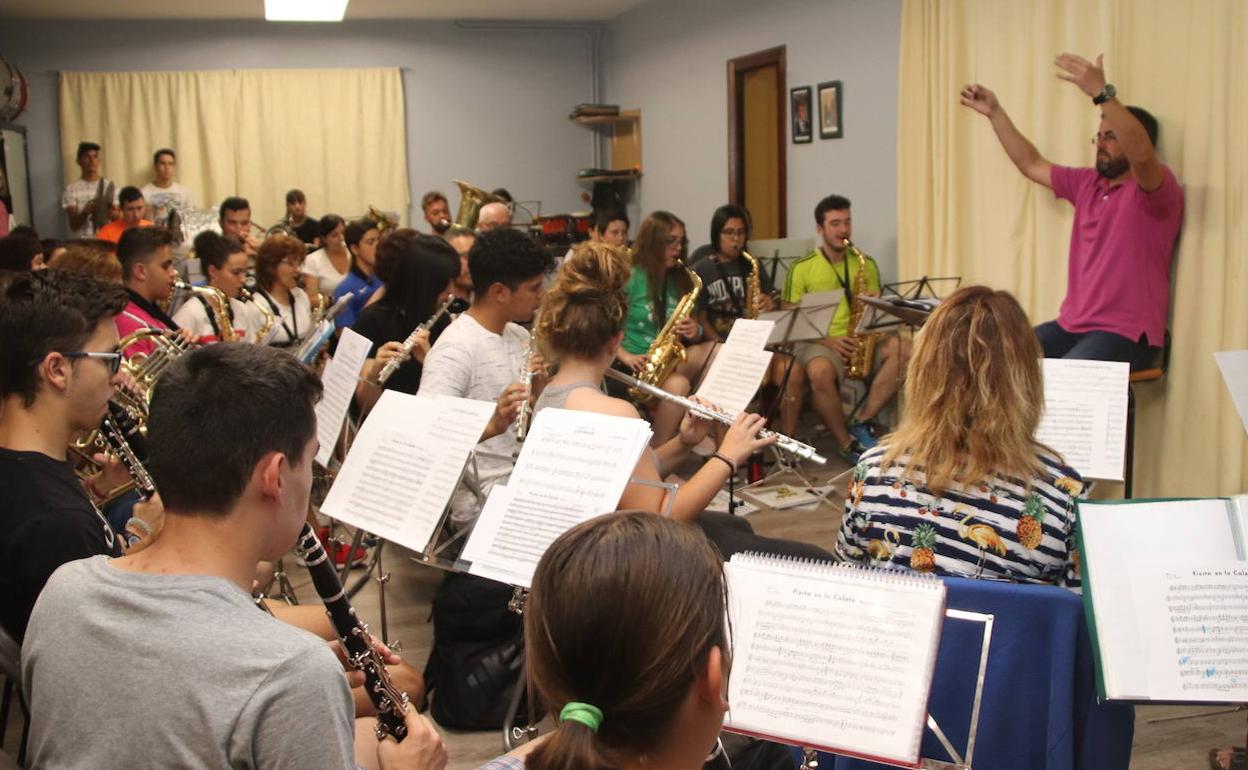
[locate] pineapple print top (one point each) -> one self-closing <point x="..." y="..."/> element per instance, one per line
<point x="998" y="529"/>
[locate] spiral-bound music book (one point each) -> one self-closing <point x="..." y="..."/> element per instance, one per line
<point x="832" y="657"/>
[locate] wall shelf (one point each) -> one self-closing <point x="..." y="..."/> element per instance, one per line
<point x="624" y="143"/>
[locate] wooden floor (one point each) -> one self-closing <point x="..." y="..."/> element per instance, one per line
<point x="1162" y="746"/>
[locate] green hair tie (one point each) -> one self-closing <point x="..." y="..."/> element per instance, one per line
<point x="590" y="716"/>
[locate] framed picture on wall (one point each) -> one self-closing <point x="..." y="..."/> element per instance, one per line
<point x="799" y="114"/>
<point x="830" y="110"/>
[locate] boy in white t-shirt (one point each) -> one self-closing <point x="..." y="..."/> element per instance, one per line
<point x="481" y="353"/>
<point x="79" y="200"/>
<point x="162" y="193"/>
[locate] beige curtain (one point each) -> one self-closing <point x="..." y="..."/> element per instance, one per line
<point x="339" y="135"/>
<point x="964" y="210"/>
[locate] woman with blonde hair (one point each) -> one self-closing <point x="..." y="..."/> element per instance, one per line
<point x="579" y="328"/>
<point x="634" y="662"/>
<point x="657" y="283"/>
<point x="962" y="487"/>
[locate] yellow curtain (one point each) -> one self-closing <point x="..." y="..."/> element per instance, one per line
<point x="339" y="135"/>
<point x="964" y="210"/>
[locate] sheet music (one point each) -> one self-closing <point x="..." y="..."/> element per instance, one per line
<point x="406" y="461"/>
<point x="573" y="466"/>
<point x="803" y="638"/>
<point x="339" y="378"/>
<point x="734" y="377"/>
<point x="1234" y="367"/>
<point x="1116" y="535"/>
<point x="808" y="321"/>
<point x="750" y="333"/>
<point x="1194" y="624"/>
<point x="1085" y="415"/>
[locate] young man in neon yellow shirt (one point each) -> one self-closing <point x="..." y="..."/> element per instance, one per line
<point x="825" y="360"/>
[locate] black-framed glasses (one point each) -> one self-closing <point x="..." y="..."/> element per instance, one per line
<point x="113" y="360"/>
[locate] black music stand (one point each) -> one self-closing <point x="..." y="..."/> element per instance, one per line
<point x="923" y="288"/>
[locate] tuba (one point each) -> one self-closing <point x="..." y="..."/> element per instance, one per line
<point x="859" y="366"/>
<point x="471" y="199"/>
<point x="666" y="350"/>
<point x="383" y="221"/>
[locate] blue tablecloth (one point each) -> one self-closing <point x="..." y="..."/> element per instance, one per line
<point x="1039" y="708"/>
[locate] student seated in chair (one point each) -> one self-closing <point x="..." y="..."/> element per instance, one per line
<point x="962" y="487"/>
<point x="634" y="663"/>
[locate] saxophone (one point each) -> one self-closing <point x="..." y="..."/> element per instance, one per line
<point x="666" y="350"/>
<point x="753" y="286"/>
<point x="859" y="366"/>
<point x="262" y="335"/>
<point x="217" y="302"/>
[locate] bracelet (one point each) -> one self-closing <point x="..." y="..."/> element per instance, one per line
<point x="732" y="467"/>
<point x="145" y="529"/>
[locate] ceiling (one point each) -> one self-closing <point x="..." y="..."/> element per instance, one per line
<point x="527" y="10"/>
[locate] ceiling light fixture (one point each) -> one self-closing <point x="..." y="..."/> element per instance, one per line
<point x="304" y="10"/>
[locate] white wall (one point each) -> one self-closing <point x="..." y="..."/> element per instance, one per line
<point x="670" y="60"/>
<point x="486" y="106"/>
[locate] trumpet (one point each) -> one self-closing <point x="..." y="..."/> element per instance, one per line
<point x="786" y="443"/>
<point x="452" y="305"/>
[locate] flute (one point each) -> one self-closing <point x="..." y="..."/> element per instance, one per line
<point x="787" y="443"/>
<point x="525" y="415"/>
<point x="352" y="632"/>
<point x="452" y="305"/>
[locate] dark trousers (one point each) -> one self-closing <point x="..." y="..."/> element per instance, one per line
<point x="1095" y="346"/>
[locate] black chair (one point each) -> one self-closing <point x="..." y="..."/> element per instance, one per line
<point x="1152" y="374"/>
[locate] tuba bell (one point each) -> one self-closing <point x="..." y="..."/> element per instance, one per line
<point x="471" y="199"/>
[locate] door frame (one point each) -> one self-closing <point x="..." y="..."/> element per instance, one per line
<point x="736" y="130"/>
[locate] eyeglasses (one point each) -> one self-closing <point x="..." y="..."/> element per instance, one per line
<point x="677" y="241"/>
<point x="733" y="233"/>
<point x="1108" y="136"/>
<point x="296" y="264"/>
<point x="113" y="359"/>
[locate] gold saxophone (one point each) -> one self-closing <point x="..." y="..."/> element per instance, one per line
<point x="753" y="287"/>
<point x="859" y="366"/>
<point x="218" y="304"/>
<point x="666" y="350"/>
<point x="246" y="295"/>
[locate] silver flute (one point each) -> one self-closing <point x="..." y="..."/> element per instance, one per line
<point x="525" y="415"/>
<point x="786" y="443"/>
<point x="409" y="344"/>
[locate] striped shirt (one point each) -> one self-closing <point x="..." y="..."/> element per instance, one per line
<point x="997" y="529"/>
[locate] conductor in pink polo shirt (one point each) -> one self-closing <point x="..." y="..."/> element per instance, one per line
<point x="1128" y="210"/>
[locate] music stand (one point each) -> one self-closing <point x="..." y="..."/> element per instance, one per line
<point x="923" y="288"/>
<point x="779" y="251"/>
<point x="888" y="312"/>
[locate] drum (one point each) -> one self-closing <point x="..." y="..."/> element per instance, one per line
<point x="14" y="91"/>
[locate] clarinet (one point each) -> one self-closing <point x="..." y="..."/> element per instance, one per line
<point x="115" y="439"/>
<point x="787" y="443"/>
<point x="356" y="640"/>
<point x="452" y="305"/>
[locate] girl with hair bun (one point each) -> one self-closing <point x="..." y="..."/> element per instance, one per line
<point x="579" y="328"/>
<point x="634" y="663"/>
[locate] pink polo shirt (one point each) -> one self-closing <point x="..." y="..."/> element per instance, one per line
<point x="1121" y="246"/>
<point x="131" y="320"/>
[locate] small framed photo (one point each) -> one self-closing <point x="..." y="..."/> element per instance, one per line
<point x="830" y="110"/>
<point x="799" y="115"/>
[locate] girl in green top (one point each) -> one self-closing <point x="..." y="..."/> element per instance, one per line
<point x="658" y="282"/>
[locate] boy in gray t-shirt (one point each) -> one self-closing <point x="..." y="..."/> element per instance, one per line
<point x="160" y="658"/>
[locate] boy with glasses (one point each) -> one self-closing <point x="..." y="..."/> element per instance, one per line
<point x="58" y="369"/>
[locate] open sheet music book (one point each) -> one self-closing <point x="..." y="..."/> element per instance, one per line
<point x="406" y="461"/>
<point x="338" y="380"/>
<point x="1165" y="589"/>
<point x="832" y="657"/>
<point x="573" y="466"/>
<point x="1085" y="415"/>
